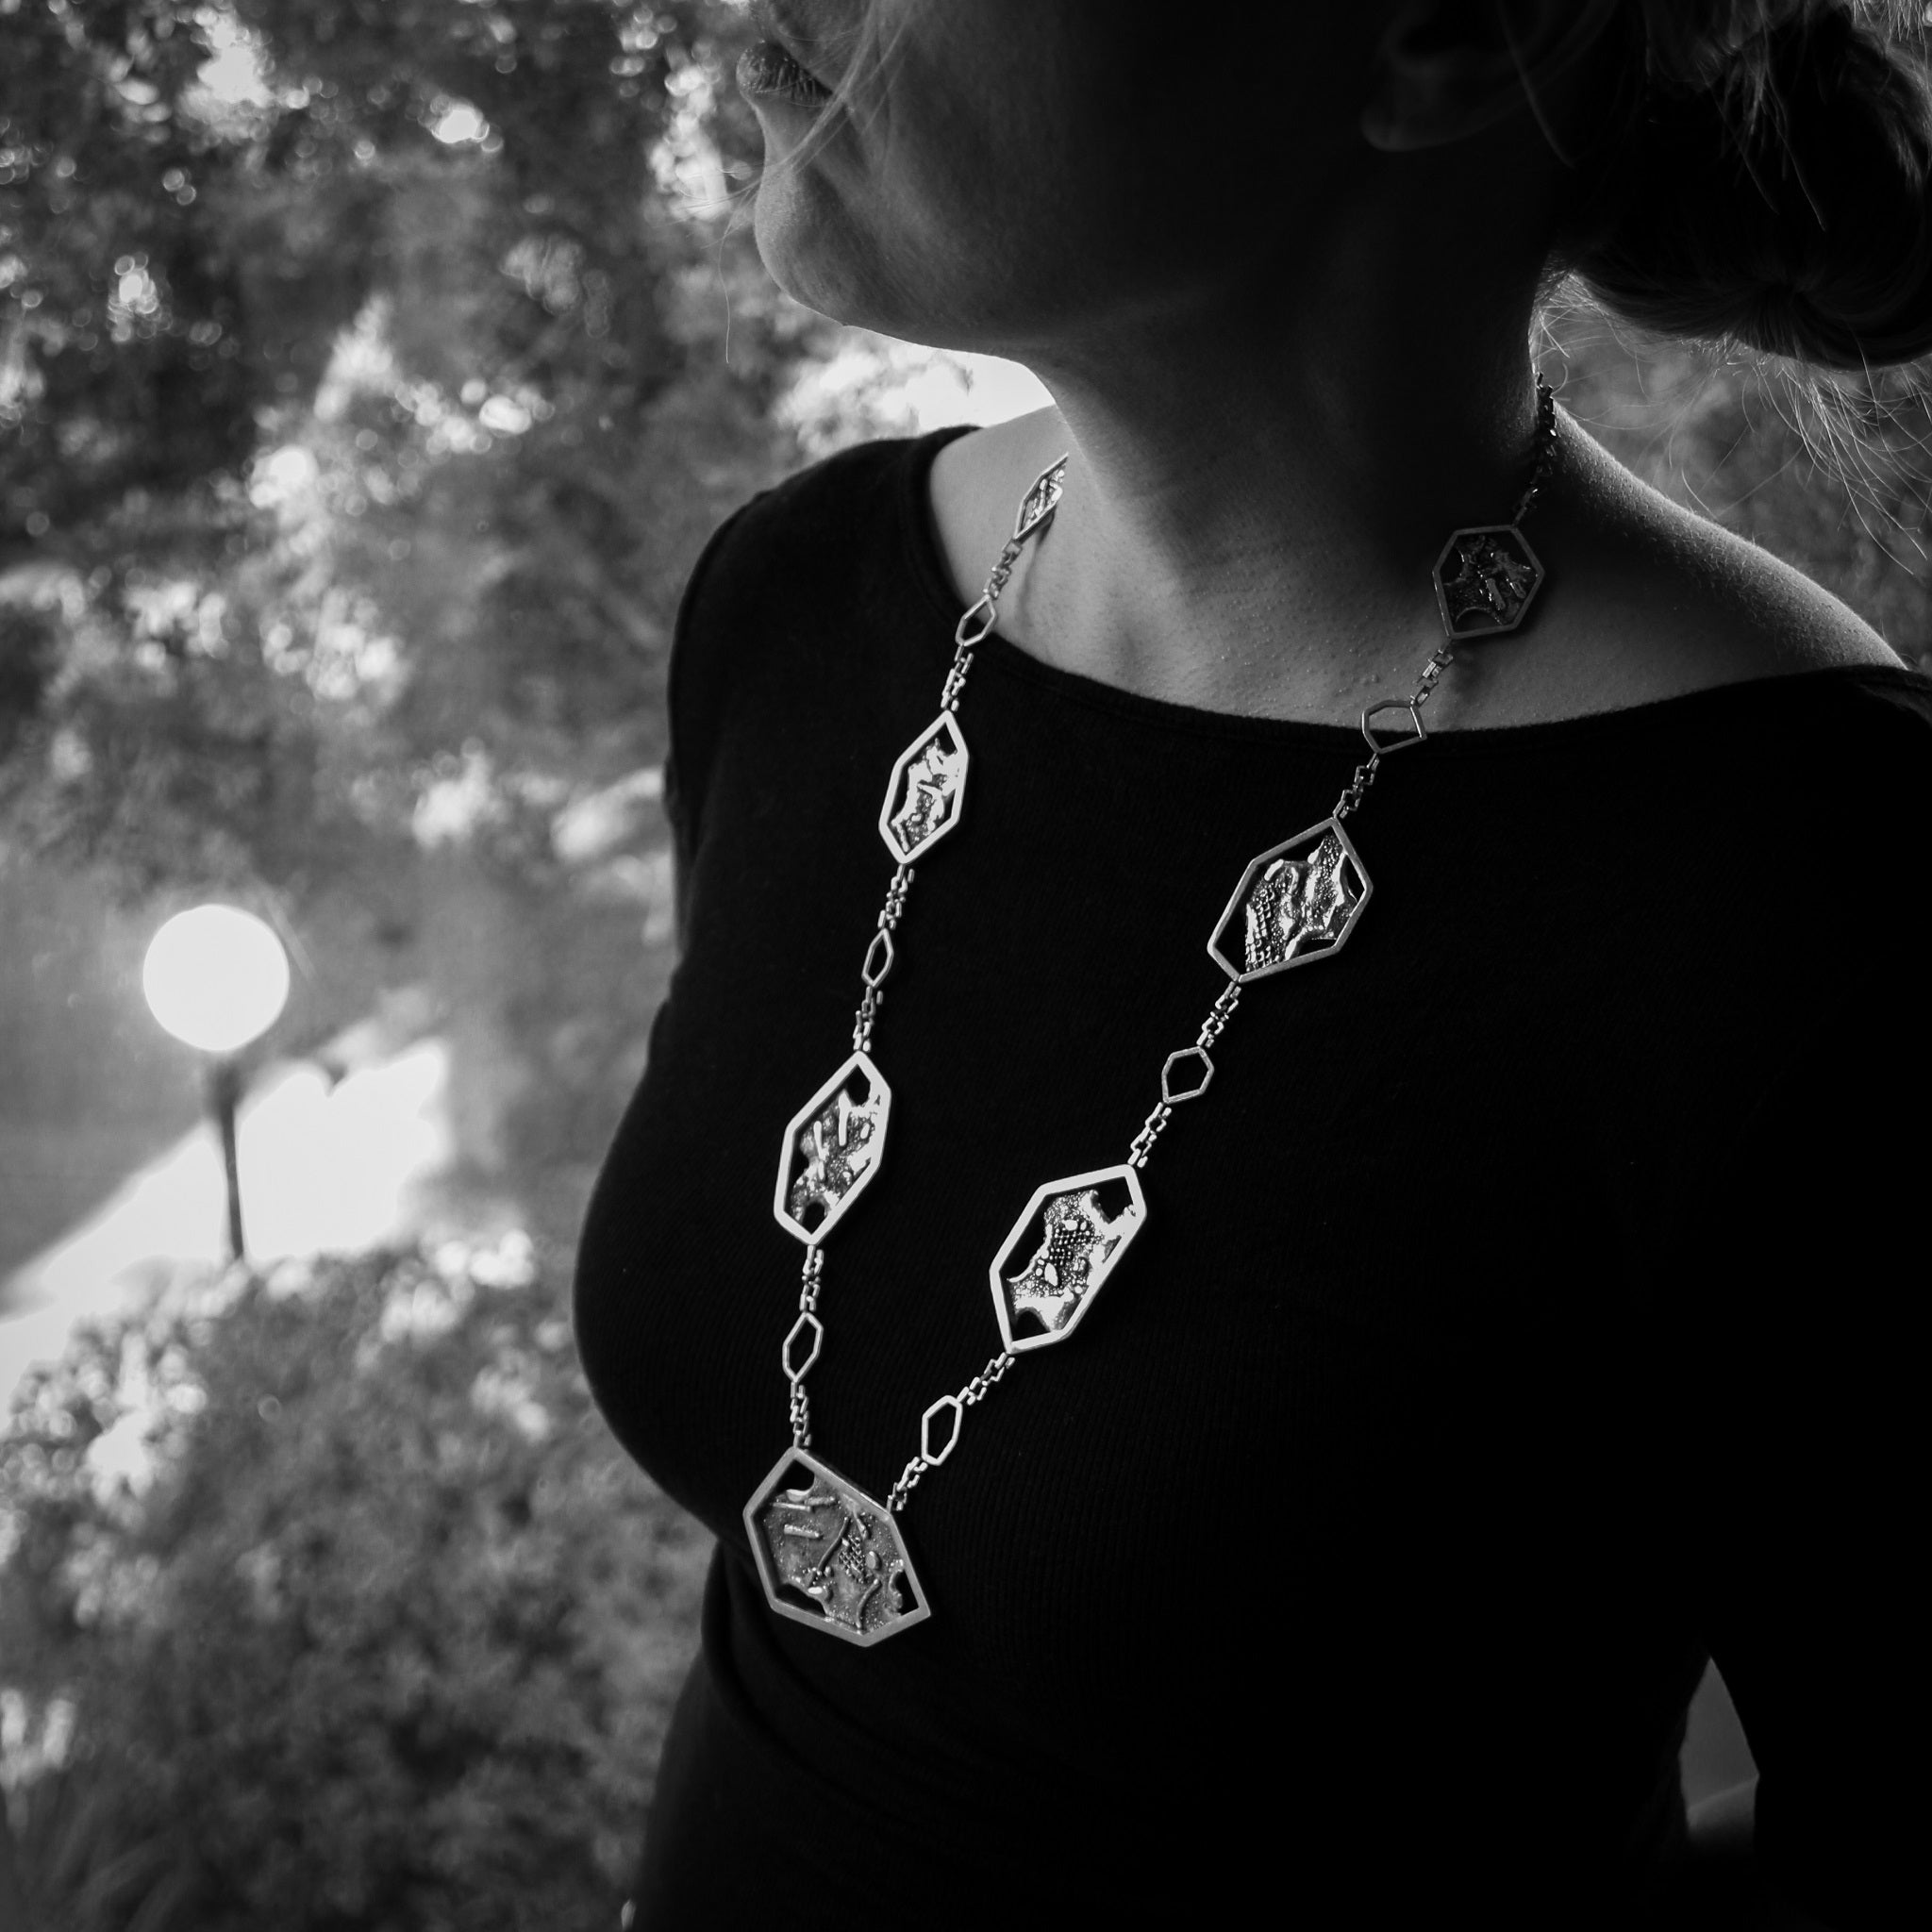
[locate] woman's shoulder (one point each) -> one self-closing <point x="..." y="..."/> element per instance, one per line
<point x="804" y="598"/>
<point x="803" y="559"/>
<point x="1655" y="602"/>
<point x="845" y="512"/>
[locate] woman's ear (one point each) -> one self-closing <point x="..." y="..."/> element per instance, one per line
<point x="1447" y="69"/>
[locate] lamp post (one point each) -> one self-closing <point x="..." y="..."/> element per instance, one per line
<point x="217" y="979"/>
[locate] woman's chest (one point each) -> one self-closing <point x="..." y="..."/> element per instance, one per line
<point x="1390" y="1246"/>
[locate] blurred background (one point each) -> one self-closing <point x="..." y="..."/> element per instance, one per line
<point x="369" y="373"/>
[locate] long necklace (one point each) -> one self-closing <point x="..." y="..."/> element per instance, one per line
<point x="829" y="1554"/>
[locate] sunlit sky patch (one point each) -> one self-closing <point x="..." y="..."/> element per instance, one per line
<point x="235" y="75"/>
<point x="457" y="122"/>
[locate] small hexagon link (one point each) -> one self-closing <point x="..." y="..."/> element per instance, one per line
<point x="1175" y="1095"/>
<point x="949" y="1403"/>
<point x="985" y="615"/>
<point x="1389" y="745"/>
<point x="1038" y="505"/>
<point x="806" y="1323"/>
<point x="880" y="958"/>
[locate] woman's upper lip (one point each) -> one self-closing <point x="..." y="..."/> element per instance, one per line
<point x="783" y="33"/>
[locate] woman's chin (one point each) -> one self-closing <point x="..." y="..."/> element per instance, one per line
<point x="807" y="252"/>
<point x="776" y="220"/>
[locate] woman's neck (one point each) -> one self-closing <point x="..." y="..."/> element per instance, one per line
<point x="1260" y="483"/>
<point x="1258" y="531"/>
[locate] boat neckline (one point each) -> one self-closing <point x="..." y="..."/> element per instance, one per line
<point x="1000" y="654"/>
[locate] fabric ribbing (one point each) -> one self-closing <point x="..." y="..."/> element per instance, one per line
<point x="1370" y="1468"/>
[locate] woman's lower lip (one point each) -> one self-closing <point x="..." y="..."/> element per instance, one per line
<point x="767" y="72"/>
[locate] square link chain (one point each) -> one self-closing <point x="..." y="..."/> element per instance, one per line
<point x="811" y="1278"/>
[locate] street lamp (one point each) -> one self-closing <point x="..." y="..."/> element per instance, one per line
<point x="217" y="979"/>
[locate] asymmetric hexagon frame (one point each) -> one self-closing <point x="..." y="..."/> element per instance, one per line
<point x="1319" y="946"/>
<point x="1385" y="746"/>
<point x="927" y="792"/>
<point x="831" y="1555"/>
<point x="1117" y="1233"/>
<point x="1038" y="505"/>
<point x="856" y="1130"/>
<point x="1484" y="600"/>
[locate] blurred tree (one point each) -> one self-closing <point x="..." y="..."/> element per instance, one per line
<point x="326" y="1602"/>
<point x="363" y="396"/>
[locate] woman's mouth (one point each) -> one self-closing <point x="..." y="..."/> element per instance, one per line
<point x="767" y="73"/>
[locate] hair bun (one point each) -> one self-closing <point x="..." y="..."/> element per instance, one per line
<point x="1782" y="196"/>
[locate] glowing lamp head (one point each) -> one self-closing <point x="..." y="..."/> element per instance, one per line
<point x="216" y="977"/>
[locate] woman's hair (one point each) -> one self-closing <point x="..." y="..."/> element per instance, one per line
<point x="1766" y="179"/>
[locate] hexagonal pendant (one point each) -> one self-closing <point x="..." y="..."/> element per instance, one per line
<point x="831" y="1555"/>
<point x="927" y="792"/>
<point x="1038" y="505"/>
<point x="1486" y="579"/>
<point x="1297" y="902"/>
<point x="831" y="1150"/>
<point x="1068" y="1241"/>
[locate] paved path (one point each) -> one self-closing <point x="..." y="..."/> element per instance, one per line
<point x="323" y="1167"/>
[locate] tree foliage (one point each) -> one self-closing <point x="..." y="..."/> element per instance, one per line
<point x="371" y="372"/>
<point x="331" y="1604"/>
<point x="365" y="396"/>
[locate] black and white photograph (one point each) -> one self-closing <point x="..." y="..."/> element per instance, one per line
<point x="962" y="964"/>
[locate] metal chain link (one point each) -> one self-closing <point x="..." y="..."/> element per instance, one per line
<point x="880" y="958"/>
<point x="1035" y="514"/>
<point x="1213" y="1027"/>
<point x="1219" y="1015"/>
<point x="975" y="1391"/>
<point x="808" y="1323"/>
<point x="1442" y="656"/>
<point x="1545" y="446"/>
<point x="1149" y="1132"/>
<point x="1353" y="792"/>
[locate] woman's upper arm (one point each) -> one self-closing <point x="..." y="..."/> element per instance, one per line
<point x="696" y="687"/>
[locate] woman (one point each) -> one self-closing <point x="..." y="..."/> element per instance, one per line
<point x="1347" y="1474"/>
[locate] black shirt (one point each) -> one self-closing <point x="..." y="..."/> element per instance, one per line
<point x="1519" y="1320"/>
